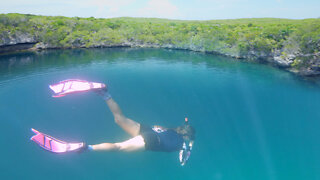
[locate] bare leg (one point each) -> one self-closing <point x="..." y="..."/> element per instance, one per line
<point x="128" y="125"/>
<point x="133" y="144"/>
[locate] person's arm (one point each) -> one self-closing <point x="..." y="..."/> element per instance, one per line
<point x="184" y="153"/>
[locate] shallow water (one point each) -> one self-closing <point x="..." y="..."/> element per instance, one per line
<point x="253" y="121"/>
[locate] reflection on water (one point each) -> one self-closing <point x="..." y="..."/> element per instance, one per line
<point x="32" y="61"/>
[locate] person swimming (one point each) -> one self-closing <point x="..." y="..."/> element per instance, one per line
<point x="149" y="138"/>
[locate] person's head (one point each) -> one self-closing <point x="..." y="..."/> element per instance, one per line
<point x="187" y="131"/>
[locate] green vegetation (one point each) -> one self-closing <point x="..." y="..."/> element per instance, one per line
<point x="242" y="38"/>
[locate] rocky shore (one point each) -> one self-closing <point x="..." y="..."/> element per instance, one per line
<point x="283" y="61"/>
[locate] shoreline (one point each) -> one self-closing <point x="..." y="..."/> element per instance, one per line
<point x="291" y="45"/>
<point x="32" y="47"/>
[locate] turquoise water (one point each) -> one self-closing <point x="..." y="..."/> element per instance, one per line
<point x="253" y="121"/>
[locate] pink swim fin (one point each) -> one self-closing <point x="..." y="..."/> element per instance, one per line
<point x="71" y="86"/>
<point x="54" y="145"/>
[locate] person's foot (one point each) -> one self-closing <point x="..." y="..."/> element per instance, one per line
<point x="103" y="93"/>
<point x="84" y="148"/>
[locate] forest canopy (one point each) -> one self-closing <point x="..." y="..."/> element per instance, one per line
<point x="242" y="38"/>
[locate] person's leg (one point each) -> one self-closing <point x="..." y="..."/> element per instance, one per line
<point x="133" y="144"/>
<point x="128" y="125"/>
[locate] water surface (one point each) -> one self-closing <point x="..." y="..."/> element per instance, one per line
<point x="253" y="121"/>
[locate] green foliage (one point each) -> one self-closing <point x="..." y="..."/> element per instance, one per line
<point x="238" y="37"/>
<point x="296" y="63"/>
<point x="308" y="37"/>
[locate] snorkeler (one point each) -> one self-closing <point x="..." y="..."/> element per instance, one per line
<point x="155" y="138"/>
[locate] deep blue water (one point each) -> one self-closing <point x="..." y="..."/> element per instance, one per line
<point x="253" y="121"/>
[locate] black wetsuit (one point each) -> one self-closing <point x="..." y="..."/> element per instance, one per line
<point x="158" y="139"/>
